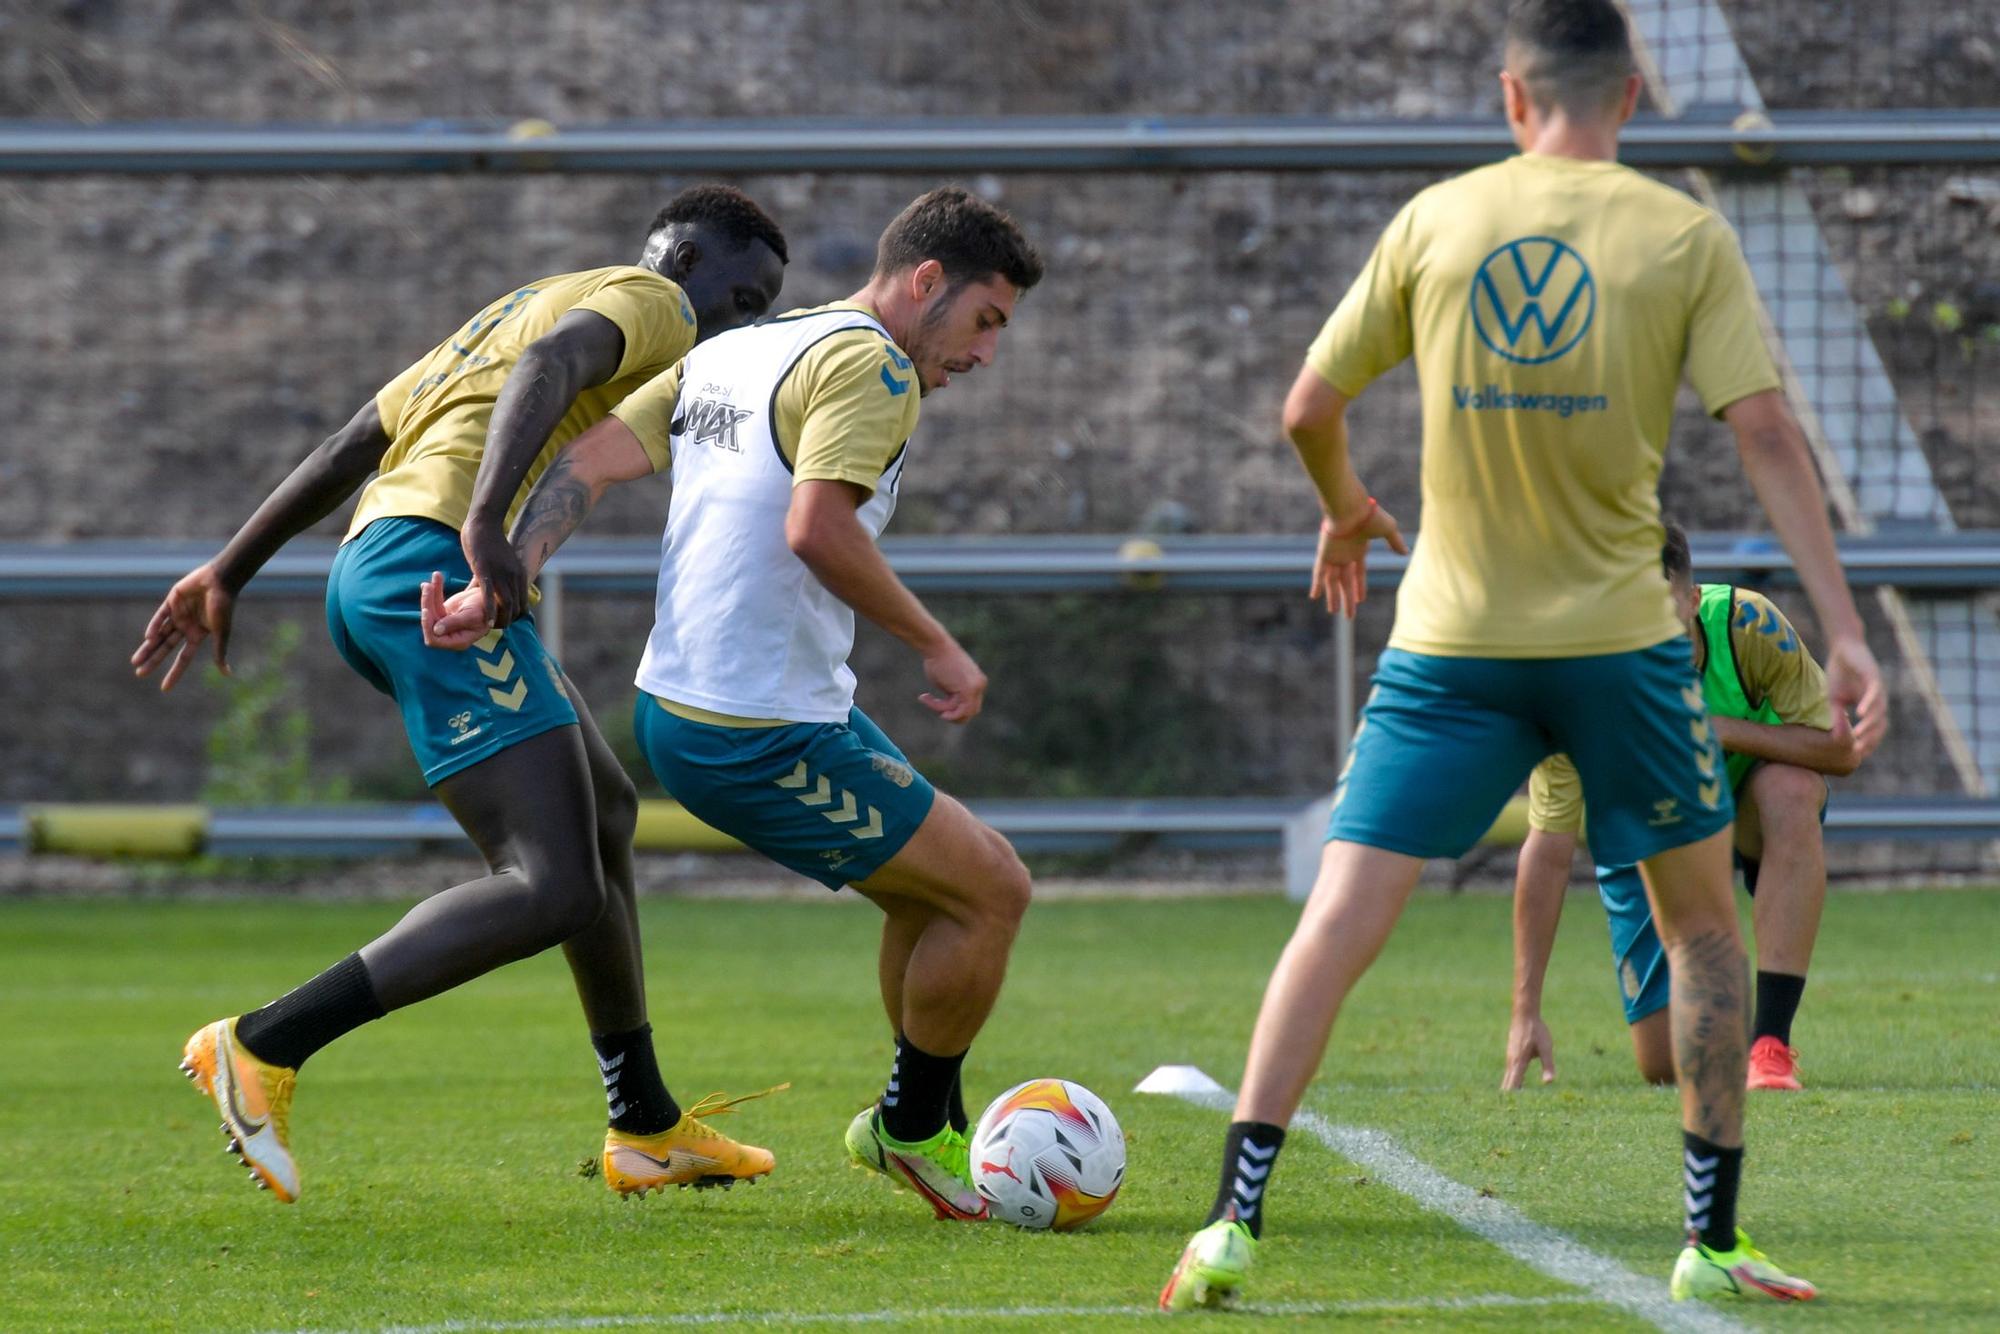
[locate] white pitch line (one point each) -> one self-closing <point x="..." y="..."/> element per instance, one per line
<point x="1541" y="1248"/>
<point x="678" y="1320"/>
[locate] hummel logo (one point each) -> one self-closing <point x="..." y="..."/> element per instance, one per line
<point x="1261" y="1155"/>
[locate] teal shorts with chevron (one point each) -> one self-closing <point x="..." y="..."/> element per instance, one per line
<point x="458" y="708"/>
<point x="833" y="801"/>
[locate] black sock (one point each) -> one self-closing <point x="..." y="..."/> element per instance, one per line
<point x="1777" y="1002"/>
<point x="914" y="1106"/>
<point x="634" y="1094"/>
<point x="1711" y="1174"/>
<point x="1248" y="1155"/>
<point x="954" y="1111"/>
<point x="303" y="1020"/>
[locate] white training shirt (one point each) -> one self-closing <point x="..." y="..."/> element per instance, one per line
<point x="740" y="625"/>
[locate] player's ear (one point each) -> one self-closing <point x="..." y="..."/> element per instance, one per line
<point x="926" y="279"/>
<point x="1633" y="83"/>
<point x="1514" y="97"/>
<point x="682" y="259"/>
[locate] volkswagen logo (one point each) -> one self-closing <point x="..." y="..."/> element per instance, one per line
<point x="1533" y="300"/>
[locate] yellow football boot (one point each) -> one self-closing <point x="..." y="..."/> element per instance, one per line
<point x="690" y="1153"/>
<point x="255" y="1100"/>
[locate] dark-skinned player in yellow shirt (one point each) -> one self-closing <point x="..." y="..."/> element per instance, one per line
<point x="504" y="741"/>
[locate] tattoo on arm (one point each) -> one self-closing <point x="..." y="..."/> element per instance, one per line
<point x="553" y="511"/>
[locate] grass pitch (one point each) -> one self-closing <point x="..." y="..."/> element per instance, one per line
<point x="440" y="1149"/>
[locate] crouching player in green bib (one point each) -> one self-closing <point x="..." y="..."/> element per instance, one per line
<point x="1768" y="702"/>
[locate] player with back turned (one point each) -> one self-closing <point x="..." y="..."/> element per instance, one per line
<point x="503" y="740"/>
<point x="1552" y="302"/>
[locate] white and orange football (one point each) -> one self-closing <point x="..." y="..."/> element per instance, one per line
<point x="1048" y="1154"/>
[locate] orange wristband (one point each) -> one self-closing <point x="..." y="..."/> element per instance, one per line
<point x="1340" y="534"/>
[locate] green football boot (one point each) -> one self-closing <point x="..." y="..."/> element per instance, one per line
<point x="1744" y="1272"/>
<point x="1212" y="1268"/>
<point x="939" y="1168"/>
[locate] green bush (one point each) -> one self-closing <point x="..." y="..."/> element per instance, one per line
<point x="259" y="749"/>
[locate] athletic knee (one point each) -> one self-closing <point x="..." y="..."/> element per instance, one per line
<point x="617" y="812"/>
<point x="1009" y="888"/>
<point x="568" y="897"/>
<point x="1788" y="797"/>
<point x="1656" y="1069"/>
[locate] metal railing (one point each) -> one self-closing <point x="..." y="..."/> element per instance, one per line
<point x="117" y="567"/>
<point x="1026" y="143"/>
<point x="1012" y="565"/>
<point x="1293" y="828"/>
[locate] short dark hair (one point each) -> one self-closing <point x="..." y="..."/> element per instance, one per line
<point x="969" y="237"/>
<point x="729" y="211"/>
<point x="1675" y="558"/>
<point x="1575" y="54"/>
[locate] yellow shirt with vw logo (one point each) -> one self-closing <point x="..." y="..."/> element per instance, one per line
<point x="436" y="412"/>
<point x="1552" y="306"/>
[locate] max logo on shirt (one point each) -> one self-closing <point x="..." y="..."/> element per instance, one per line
<point x="710" y="421"/>
<point x="1533" y="300"/>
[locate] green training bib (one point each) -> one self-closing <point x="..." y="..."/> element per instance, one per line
<point x="1721" y="682"/>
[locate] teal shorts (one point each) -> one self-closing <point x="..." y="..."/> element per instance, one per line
<point x="458" y="708"/>
<point x="832" y="801"/>
<point x="1445" y="742"/>
<point x="1637" y="956"/>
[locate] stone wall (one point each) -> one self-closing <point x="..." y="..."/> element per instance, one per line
<point x="178" y="343"/>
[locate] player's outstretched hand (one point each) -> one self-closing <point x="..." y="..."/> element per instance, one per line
<point x="1854" y="687"/>
<point x="959" y="685"/>
<point x="198" y="607"/>
<point x="1340" y="566"/>
<point x="1528" y="1041"/>
<point x="496" y="570"/>
<point x="456" y="622"/>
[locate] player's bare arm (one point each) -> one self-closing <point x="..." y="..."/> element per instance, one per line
<point x="1779" y="465"/>
<point x="202" y="604"/>
<point x="584" y="349"/>
<point x="1838" y="751"/>
<point x="1540" y="881"/>
<point x="823" y="532"/>
<point x="1316" y="423"/>
<point x="599" y="459"/>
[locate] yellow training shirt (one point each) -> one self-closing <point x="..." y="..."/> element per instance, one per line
<point x="436" y="413"/>
<point x="831" y="417"/>
<point x="1775" y="668"/>
<point x="1552" y="305"/>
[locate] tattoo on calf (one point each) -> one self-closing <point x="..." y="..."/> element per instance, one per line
<point x="1709" y="1008"/>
